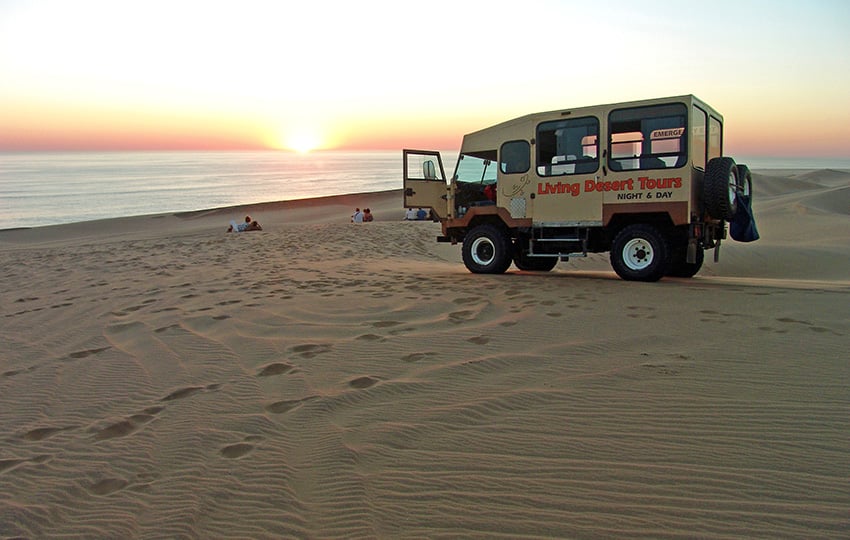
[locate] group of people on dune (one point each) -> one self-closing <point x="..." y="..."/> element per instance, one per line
<point x="362" y="217"/>
<point x="247" y="225"/>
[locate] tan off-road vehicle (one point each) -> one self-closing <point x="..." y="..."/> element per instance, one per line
<point x="645" y="180"/>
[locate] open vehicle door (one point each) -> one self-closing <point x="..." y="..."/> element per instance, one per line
<point x="425" y="182"/>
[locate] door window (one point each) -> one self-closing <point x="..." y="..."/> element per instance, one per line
<point x="515" y="157"/>
<point x="423" y="166"/>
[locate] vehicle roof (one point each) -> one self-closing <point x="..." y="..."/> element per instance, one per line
<point x="492" y="137"/>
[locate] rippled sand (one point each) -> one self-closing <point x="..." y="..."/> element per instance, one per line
<point x="162" y="378"/>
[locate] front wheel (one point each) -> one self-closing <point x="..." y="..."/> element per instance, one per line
<point x="640" y="253"/>
<point x="486" y="250"/>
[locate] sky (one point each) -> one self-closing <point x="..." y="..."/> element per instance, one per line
<point x="249" y="74"/>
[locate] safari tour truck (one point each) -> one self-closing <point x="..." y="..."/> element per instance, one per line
<point x="646" y="181"/>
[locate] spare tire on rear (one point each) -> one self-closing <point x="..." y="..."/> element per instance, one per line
<point x="720" y="188"/>
<point x="745" y="180"/>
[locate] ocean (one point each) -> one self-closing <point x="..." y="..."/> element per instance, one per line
<point x="46" y="188"/>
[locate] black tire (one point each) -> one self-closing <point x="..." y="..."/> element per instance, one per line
<point x="680" y="267"/>
<point x="720" y="188"/>
<point x="745" y="181"/>
<point x="640" y="253"/>
<point x="535" y="264"/>
<point x="486" y="250"/>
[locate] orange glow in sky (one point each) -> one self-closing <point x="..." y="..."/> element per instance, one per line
<point x="104" y="75"/>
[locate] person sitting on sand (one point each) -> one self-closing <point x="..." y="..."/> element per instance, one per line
<point x="410" y="215"/>
<point x="248" y="225"/>
<point x="357" y="217"/>
<point x="367" y="216"/>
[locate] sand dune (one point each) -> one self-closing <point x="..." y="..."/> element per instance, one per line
<point x="162" y="378"/>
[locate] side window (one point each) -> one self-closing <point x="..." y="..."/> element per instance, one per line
<point x="648" y="137"/>
<point x="698" y="150"/>
<point x="715" y="138"/>
<point x="568" y="147"/>
<point x="515" y="157"/>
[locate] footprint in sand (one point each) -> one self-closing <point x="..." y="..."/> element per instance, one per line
<point x="371" y="337"/>
<point x="280" y="407"/>
<point x="362" y="383"/>
<point x="417" y="357"/>
<point x="237" y="450"/>
<point x="661" y="369"/>
<point x="384" y="324"/>
<point x="278" y="368"/>
<point x="790" y="320"/>
<point x="118" y="429"/>
<point x="479" y="340"/>
<point x="39" y="434"/>
<point x="89" y="352"/>
<point x="458" y="317"/>
<point x="642" y="311"/>
<point x="107" y="486"/>
<point x="310" y="350"/>
<point x="6" y="464"/>
<point x="127" y="426"/>
<point x="162" y="329"/>
<point x="186" y="392"/>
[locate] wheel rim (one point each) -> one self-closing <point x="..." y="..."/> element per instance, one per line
<point x="483" y="251"/>
<point x="638" y="254"/>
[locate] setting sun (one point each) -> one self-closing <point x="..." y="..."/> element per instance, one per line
<point x="303" y="141"/>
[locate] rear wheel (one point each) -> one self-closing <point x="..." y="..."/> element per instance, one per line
<point x="679" y="265"/>
<point x="721" y="186"/>
<point x="640" y="253"/>
<point x="486" y="250"/>
<point x="535" y="264"/>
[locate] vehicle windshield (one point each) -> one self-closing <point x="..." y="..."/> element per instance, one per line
<point x="475" y="170"/>
<point x="473" y="174"/>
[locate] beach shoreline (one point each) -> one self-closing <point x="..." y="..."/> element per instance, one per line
<point x="319" y="378"/>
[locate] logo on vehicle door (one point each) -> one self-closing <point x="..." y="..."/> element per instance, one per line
<point x="516" y="189"/>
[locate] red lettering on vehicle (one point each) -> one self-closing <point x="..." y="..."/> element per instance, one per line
<point x="659" y="183"/>
<point x="546" y="188"/>
<point x="609" y="185"/>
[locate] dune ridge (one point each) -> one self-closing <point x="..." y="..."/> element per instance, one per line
<point x="162" y="378"/>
